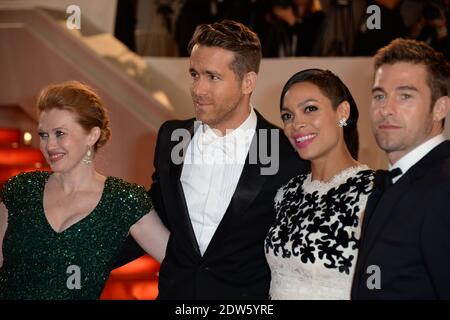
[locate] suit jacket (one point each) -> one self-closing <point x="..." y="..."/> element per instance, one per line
<point x="233" y="266"/>
<point x="407" y="235"/>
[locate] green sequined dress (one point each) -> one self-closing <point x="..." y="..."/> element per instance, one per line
<point x="40" y="263"/>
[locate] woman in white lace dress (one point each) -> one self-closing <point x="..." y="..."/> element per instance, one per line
<point x="312" y="245"/>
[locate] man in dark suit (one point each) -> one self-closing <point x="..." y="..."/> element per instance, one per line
<point x="405" y="245"/>
<point x="215" y="178"/>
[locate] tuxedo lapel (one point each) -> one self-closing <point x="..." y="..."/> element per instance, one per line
<point x="381" y="211"/>
<point x="177" y="188"/>
<point x="177" y="166"/>
<point x="249" y="186"/>
<point x="371" y="205"/>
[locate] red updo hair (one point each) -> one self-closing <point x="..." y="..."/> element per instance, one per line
<point x="80" y="99"/>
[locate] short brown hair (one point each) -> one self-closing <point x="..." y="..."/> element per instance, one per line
<point x="80" y="99"/>
<point x="417" y="52"/>
<point x="232" y="36"/>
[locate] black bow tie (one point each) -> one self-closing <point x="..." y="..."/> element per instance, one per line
<point x="383" y="178"/>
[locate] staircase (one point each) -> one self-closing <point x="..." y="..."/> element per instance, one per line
<point x="15" y="157"/>
<point x="136" y="280"/>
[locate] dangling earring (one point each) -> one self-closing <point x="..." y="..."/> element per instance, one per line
<point x="88" y="156"/>
<point x="342" y="123"/>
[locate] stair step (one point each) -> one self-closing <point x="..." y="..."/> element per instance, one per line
<point x="137" y="280"/>
<point x="141" y="268"/>
<point x="10" y="136"/>
<point x="20" y="156"/>
<point x="130" y="289"/>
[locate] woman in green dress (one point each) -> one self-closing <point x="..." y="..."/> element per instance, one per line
<point x="61" y="231"/>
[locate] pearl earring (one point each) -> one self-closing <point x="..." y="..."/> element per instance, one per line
<point x="88" y="156"/>
<point x="342" y="123"/>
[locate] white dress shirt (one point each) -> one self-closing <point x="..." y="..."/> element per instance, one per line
<point x="414" y="156"/>
<point x="211" y="170"/>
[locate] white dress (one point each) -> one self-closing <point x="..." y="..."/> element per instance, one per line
<point x="311" y="247"/>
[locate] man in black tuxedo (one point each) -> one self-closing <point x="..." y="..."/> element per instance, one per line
<point x="215" y="178"/>
<point x="405" y="245"/>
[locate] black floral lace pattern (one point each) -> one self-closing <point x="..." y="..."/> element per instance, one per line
<point x="319" y="222"/>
